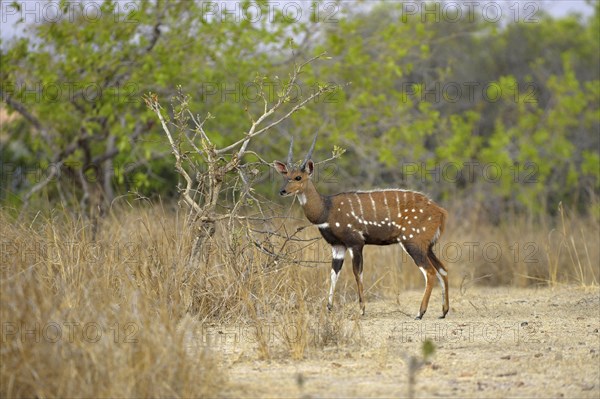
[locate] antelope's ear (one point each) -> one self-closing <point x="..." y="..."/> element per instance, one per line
<point x="310" y="167"/>
<point x="280" y="167"/>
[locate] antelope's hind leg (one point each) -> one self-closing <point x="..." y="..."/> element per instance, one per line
<point x="429" y="272"/>
<point x="442" y="275"/>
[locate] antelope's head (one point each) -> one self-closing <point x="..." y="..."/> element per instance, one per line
<point x="295" y="177"/>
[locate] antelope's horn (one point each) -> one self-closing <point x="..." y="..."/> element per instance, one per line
<point x="309" y="155"/>
<point x="290" y="157"/>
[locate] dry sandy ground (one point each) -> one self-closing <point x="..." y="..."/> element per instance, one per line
<point x="495" y="342"/>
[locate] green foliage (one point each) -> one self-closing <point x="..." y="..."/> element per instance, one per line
<point x="81" y="79"/>
<point x="511" y="107"/>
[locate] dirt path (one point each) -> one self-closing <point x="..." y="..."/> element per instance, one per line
<point x="494" y="343"/>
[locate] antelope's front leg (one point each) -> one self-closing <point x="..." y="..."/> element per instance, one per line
<point x="336" y="265"/>
<point x="357" y="267"/>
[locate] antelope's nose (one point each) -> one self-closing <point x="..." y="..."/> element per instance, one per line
<point x="282" y="191"/>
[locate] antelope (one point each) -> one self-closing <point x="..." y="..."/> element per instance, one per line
<point x="348" y="221"/>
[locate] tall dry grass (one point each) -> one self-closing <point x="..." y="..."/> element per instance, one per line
<point x="98" y="318"/>
<point x="109" y="315"/>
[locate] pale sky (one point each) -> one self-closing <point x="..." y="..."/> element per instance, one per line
<point x="37" y="10"/>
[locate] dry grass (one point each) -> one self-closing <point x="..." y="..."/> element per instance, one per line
<point x="78" y="311"/>
<point x="85" y="318"/>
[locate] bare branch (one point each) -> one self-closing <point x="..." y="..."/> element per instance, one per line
<point x="152" y="102"/>
<point x="321" y="90"/>
<point x="268" y="112"/>
<point x="53" y="172"/>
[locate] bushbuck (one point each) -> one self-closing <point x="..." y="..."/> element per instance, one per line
<point x="351" y="220"/>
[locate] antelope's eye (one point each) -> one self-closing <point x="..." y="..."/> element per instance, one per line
<point x="298" y="178"/>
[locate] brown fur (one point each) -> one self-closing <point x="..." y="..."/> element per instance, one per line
<point x="352" y="220"/>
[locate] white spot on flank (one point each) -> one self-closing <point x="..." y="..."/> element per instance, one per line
<point x="423" y="228"/>
<point x="406" y="210"/>
<point x="349" y="225"/>
<point x="415" y="217"/>
<point x="338" y="209"/>
<point x="413" y="209"/>
<point x="404" y="237"/>
<point x="409" y="222"/>
<point x="421" y="210"/>
<point x="429" y="218"/>
<point x="342" y="203"/>
<point x="418" y="231"/>
<point x="399" y="214"/>
<point x="410" y="236"/>
<point x="337" y="224"/>
<point x="403" y="228"/>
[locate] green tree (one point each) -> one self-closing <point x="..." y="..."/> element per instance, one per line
<point x="78" y="81"/>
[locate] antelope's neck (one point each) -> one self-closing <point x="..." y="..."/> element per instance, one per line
<point x="314" y="204"/>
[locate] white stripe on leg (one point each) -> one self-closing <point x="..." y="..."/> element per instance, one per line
<point x="334" y="277"/>
<point x="439" y="276"/>
<point x="424" y="275"/>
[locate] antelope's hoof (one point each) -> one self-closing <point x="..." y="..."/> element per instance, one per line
<point x="419" y="317"/>
<point x="329" y="307"/>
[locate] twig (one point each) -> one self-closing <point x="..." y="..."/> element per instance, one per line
<point x="152" y="102"/>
